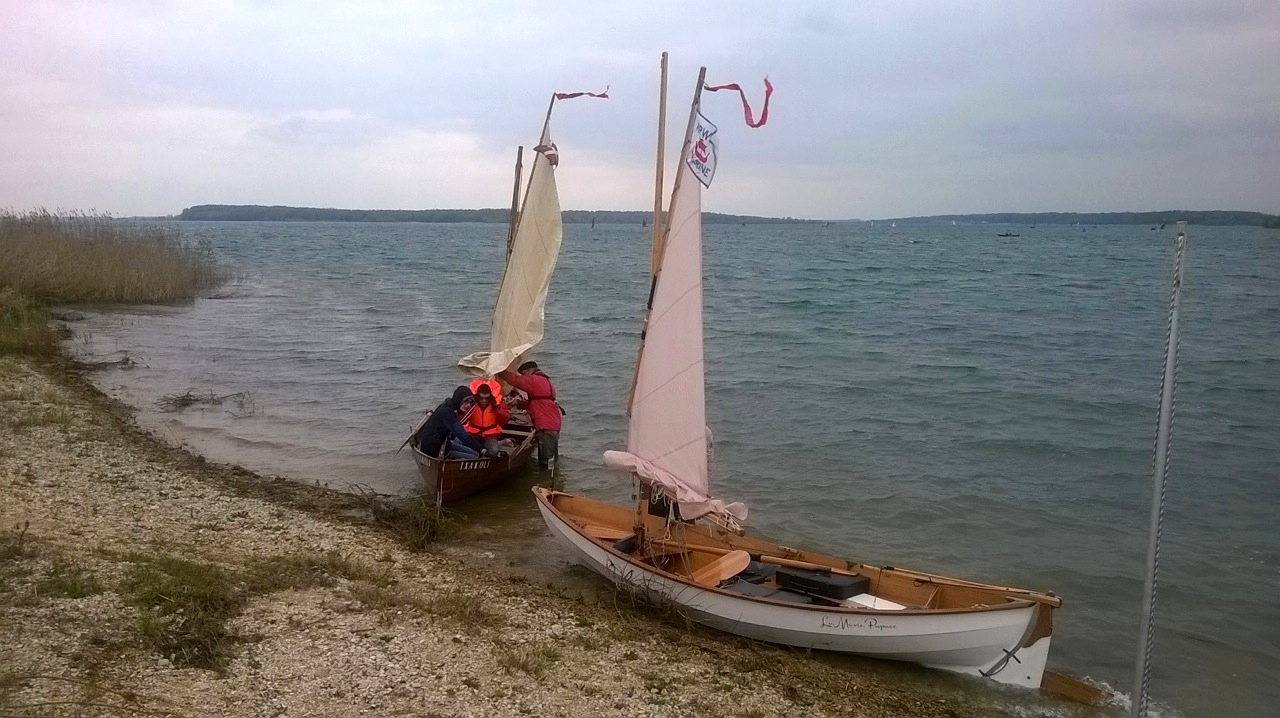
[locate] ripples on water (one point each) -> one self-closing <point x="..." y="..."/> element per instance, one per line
<point x="935" y="397"/>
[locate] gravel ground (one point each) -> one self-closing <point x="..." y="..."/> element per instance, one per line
<point x="88" y="501"/>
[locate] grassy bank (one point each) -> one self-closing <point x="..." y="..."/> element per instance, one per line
<point x="89" y="258"/>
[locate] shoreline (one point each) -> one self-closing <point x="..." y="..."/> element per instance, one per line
<point x="345" y="619"/>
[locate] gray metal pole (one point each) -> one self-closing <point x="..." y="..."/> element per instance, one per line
<point x="1160" y="478"/>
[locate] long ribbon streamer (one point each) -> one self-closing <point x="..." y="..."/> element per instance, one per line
<point x="570" y="95"/>
<point x="746" y="108"/>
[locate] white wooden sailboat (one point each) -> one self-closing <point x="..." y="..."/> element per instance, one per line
<point x="681" y="545"/>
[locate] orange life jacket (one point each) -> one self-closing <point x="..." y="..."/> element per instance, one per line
<point x="494" y="387"/>
<point x="483" y="421"/>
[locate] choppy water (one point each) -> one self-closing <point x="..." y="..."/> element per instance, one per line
<point x="936" y="397"/>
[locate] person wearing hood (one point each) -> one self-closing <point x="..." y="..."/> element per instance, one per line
<point x="543" y="409"/>
<point x="444" y="427"/>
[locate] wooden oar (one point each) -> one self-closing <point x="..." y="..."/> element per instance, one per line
<point x="414" y="433"/>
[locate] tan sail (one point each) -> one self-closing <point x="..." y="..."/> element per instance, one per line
<point x="519" y="311"/>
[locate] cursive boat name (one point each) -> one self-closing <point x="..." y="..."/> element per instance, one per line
<point x="844" y="623"/>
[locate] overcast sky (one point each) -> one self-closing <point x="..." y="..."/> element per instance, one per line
<point x="881" y="109"/>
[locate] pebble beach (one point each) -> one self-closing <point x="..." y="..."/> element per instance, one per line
<point x="93" y="505"/>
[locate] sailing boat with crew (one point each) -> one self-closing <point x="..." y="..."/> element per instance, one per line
<point x="533" y="246"/>
<point x="683" y="546"/>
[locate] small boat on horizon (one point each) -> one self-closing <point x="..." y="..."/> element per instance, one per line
<point x="1008" y="234"/>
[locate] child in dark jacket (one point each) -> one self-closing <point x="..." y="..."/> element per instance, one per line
<point x="443" y="427"/>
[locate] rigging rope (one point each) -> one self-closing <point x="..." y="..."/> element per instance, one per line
<point x="1160" y="473"/>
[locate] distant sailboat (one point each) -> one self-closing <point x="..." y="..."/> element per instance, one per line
<point x="893" y="224"/>
<point x="593" y="221"/>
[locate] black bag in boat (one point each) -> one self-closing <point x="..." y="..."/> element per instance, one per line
<point x="836" y="586"/>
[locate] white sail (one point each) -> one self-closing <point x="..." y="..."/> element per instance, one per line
<point x="667" y="437"/>
<point x="519" y="311"/>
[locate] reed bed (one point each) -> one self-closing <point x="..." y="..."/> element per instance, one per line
<point x="94" y="258"/>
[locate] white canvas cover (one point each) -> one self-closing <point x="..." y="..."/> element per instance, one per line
<point x="667" y="437"/>
<point x="522" y="297"/>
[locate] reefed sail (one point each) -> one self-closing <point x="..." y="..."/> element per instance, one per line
<point x="667" y="436"/>
<point x="522" y="297"/>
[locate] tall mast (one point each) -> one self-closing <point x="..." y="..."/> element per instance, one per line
<point x="657" y="186"/>
<point x="515" y="201"/>
<point x="545" y="124"/>
<point x="660" y="248"/>
<point x="515" y="214"/>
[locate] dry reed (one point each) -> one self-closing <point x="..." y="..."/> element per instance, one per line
<point x="90" y="257"/>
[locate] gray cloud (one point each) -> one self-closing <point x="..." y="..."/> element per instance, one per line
<point x="881" y="109"/>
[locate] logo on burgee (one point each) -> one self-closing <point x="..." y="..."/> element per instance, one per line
<point x="702" y="156"/>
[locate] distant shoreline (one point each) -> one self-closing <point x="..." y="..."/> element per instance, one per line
<point x="263" y="213"/>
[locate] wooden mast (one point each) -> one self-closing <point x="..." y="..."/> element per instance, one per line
<point x="515" y="214"/>
<point x="657" y="185"/>
<point x="515" y="201"/>
<point x="659" y="248"/>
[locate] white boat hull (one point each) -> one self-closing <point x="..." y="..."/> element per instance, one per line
<point x="972" y="642"/>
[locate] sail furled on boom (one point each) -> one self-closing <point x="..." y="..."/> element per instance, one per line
<point x="519" y="311"/>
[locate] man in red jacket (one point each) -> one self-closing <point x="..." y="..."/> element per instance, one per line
<point x="543" y="409"/>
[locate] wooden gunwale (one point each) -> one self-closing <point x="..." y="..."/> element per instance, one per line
<point x="548" y="497"/>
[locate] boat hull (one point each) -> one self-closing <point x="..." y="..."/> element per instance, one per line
<point x="974" y="642"/>
<point x="456" y="479"/>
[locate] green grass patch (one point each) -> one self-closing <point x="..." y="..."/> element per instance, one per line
<point x="415" y="522"/>
<point x="14" y="548"/>
<point x="303" y="571"/>
<point x="530" y="659"/>
<point x="26" y="418"/>
<point x="184" y="606"/>
<point x="68" y="581"/>
<point x="24" y="325"/>
<point x="465" y="608"/>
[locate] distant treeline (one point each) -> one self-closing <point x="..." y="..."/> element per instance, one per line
<point x="1209" y="217"/>
<point x="260" y="213"/>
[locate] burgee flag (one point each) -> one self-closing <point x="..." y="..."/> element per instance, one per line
<point x="702" y="155"/>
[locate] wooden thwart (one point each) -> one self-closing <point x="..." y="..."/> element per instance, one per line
<point x="764" y="558"/>
<point x="605" y="533"/>
<point x="727" y="566"/>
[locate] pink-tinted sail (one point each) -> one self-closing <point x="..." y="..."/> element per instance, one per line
<point x="667" y="441"/>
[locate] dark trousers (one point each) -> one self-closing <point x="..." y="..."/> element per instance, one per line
<point x="548" y="447"/>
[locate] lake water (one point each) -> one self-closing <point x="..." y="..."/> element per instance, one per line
<point x="924" y="396"/>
